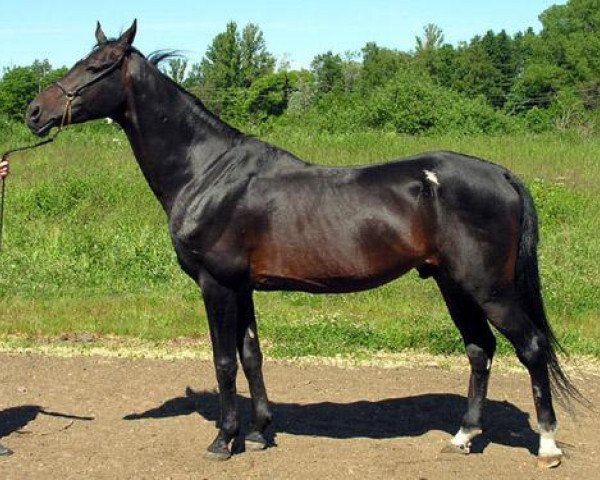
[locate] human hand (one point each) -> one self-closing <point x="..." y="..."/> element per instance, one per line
<point x="4" y="169"/>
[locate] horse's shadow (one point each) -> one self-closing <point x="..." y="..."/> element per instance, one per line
<point x="390" y="418"/>
<point x="14" y="419"/>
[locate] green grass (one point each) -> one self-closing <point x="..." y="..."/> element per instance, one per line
<point x="86" y="249"/>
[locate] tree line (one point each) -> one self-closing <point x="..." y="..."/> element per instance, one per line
<point x="493" y="83"/>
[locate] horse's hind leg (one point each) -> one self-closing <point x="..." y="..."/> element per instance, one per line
<point x="480" y="345"/>
<point x="532" y="347"/>
<point x="252" y="359"/>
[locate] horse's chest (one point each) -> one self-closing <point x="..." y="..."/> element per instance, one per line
<point x="225" y="266"/>
<point x="209" y="246"/>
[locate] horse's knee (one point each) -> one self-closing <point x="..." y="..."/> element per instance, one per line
<point x="226" y="368"/>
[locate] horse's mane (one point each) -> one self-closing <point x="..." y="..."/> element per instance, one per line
<point x="156" y="58"/>
<point x="159" y="56"/>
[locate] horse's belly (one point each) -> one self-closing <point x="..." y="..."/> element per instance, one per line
<point x="320" y="271"/>
<point x="330" y="252"/>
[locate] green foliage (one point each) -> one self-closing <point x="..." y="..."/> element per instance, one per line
<point x="527" y="71"/>
<point x="409" y="103"/>
<point x="431" y="40"/>
<point x="233" y="60"/>
<point x="567" y="110"/>
<point x="176" y="69"/>
<point x="423" y="107"/>
<point x="486" y="66"/>
<point x="255" y="60"/>
<point x="303" y="93"/>
<point x="571" y="38"/>
<point x="442" y="65"/>
<point x="494" y="61"/>
<point x="495" y="82"/>
<point x="221" y="65"/>
<point x="536" y="87"/>
<point x="232" y="64"/>
<point x="18" y="87"/>
<point x="328" y="70"/>
<point x="380" y="64"/>
<point x="268" y="96"/>
<point x="12" y="131"/>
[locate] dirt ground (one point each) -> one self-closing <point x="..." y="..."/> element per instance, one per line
<point x="95" y="417"/>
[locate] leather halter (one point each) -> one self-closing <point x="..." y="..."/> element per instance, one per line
<point x="70" y="95"/>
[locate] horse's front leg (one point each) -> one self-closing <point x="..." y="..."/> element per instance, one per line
<point x="252" y="359"/>
<point x="222" y="311"/>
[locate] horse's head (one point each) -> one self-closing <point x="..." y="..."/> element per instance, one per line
<point x="93" y="88"/>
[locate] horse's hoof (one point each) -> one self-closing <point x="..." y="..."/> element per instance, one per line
<point x="457" y="449"/>
<point x="254" y="446"/>
<point x="218" y="450"/>
<point x="255" y="442"/>
<point x="549" y="461"/>
<point x="5" y="452"/>
<point x="219" y="456"/>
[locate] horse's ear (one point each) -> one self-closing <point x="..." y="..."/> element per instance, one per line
<point x="127" y="38"/>
<point x="100" y="37"/>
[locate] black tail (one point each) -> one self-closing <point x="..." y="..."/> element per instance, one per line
<point x="528" y="284"/>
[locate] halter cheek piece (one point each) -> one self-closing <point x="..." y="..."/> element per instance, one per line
<point x="67" y="112"/>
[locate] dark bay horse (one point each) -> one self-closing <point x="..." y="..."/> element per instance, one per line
<point x="245" y="215"/>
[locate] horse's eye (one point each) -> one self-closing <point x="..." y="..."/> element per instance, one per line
<point x="93" y="68"/>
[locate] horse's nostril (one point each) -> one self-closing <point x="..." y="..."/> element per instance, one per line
<point x="35" y="113"/>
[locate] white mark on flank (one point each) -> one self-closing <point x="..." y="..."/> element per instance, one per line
<point x="251" y="333"/>
<point x="431" y="177"/>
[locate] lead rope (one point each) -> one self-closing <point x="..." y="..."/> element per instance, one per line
<point x="2" y="209"/>
<point x="64" y="121"/>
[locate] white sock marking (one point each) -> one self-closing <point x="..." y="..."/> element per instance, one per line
<point x="463" y="438"/>
<point x="548" y="446"/>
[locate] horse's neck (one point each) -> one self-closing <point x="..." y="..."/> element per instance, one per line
<point x="173" y="138"/>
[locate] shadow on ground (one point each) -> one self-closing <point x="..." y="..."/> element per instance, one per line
<point x="390" y="418"/>
<point x="16" y="418"/>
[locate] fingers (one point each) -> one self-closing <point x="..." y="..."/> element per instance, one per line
<point x="4" y="169"/>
